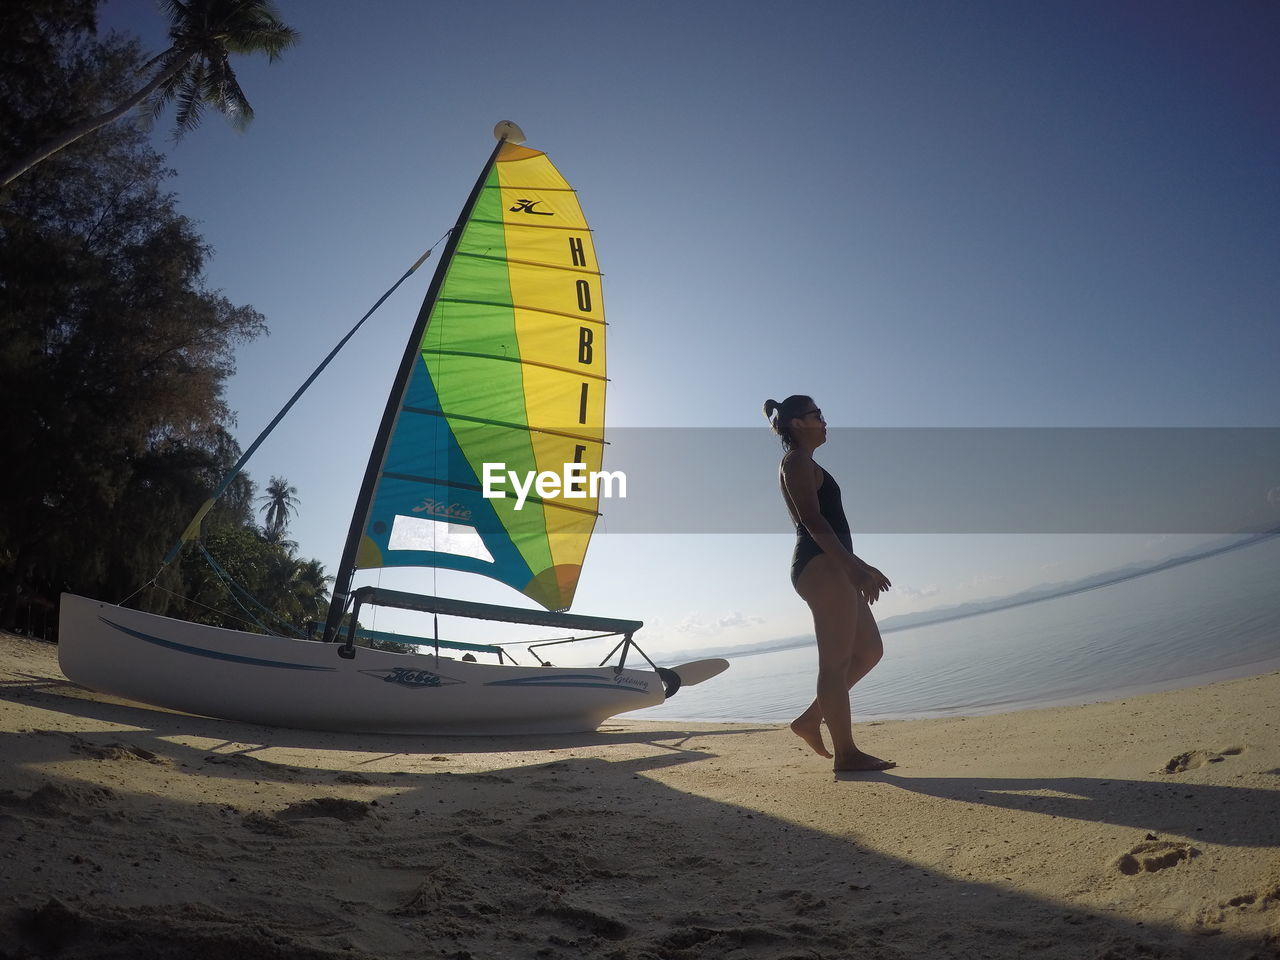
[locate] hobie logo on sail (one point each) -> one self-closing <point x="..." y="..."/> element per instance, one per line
<point x="574" y="483"/>
<point x="437" y="508"/>
<point x="526" y="206"/>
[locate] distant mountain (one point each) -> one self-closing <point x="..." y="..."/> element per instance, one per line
<point x="1047" y="591"/>
<point x="1051" y="591"/>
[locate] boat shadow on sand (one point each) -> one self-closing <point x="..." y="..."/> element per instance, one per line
<point x="62" y="695"/>
<point x="579" y="855"/>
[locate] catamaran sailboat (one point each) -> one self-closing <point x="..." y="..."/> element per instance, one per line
<point x="505" y="366"/>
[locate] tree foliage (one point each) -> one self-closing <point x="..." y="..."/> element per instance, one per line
<point x="257" y="583"/>
<point x="280" y="502"/>
<point x="114" y="353"/>
<point x="197" y="67"/>
<point x="195" y="70"/>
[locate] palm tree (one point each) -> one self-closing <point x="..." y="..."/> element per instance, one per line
<point x="280" y="501"/>
<point x="311" y="588"/>
<point x="195" y="70"/>
<point x="294" y="590"/>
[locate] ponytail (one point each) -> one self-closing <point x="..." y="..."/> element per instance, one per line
<point x="781" y="414"/>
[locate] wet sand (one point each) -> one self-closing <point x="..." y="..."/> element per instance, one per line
<point x="1146" y="827"/>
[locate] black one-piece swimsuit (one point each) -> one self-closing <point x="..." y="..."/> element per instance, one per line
<point x="832" y="511"/>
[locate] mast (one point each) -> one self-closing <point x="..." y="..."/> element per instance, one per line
<point x="347" y="566"/>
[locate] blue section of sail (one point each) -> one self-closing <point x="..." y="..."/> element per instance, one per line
<point x="425" y="476"/>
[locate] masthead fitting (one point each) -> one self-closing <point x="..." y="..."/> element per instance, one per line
<point x="506" y="130"/>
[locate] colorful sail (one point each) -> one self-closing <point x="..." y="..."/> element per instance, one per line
<point x="510" y="371"/>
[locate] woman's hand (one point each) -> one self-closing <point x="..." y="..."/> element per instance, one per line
<point x="870" y="583"/>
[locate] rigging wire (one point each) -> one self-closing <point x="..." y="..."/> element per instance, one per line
<point x="238" y="591"/>
<point x="203" y="606"/>
<point x="150" y="583"/>
<point x="193" y="529"/>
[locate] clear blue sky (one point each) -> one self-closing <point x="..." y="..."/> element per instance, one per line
<point x="923" y="214"/>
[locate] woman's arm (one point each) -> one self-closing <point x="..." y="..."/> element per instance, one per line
<point x="800" y="481"/>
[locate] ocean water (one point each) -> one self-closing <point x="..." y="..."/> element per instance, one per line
<point x="1211" y="619"/>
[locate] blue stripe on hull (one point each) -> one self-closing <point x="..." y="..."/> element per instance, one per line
<point x="564" y="681"/>
<point x="214" y="654"/>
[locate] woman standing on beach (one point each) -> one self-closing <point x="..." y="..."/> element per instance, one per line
<point x="838" y="587"/>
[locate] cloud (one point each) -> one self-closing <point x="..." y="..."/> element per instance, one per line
<point x="1273" y="496"/>
<point x="697" y="624"/>
<point x="986" y="580"/>
<point x="917" y="593"/>
<point x="736" y="619"/>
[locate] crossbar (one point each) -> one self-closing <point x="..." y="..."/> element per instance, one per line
<point x="379" y="596"/>
<point x="363" y="634"/>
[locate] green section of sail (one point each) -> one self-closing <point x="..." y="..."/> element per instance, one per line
<point x="475" y="315"/>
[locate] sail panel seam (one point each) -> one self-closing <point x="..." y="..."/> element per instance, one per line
<point x="528" y="188"/>
<point x="532" y="226"/>
<point x="533" y="363"/>
<point x="548" y="431"/>
<point x="518" y="306"/>
<point x="474" y="487"/>
<point x="530" y="263"/>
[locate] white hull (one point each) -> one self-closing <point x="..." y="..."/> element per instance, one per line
<point x="235" y="675"/>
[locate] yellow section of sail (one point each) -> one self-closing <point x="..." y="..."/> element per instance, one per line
<point x="560" y="329"/>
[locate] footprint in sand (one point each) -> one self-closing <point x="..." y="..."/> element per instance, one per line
<point x="57" y="800"/>
<point x="336" y="807"/>
<point x="270" y="826"/>
<point x="1266" y="896"/>
<point x="113" y="751"/>
<point x="1153" y="855"/>
<point x="1198" y="758"/>
<point x="582" y="918"/>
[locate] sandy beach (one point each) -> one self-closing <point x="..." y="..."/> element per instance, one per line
<point x="1148" y="827"/>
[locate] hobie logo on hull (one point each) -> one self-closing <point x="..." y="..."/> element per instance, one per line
<point x="417" y="679"/>
<point x="413" y="678"/>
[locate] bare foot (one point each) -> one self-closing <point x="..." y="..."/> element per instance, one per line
<point x="862" y="761"/>
<point x="812" y="735"/>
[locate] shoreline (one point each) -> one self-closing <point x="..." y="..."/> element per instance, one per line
<point x="933" y="618"/>
<point x="1172" y="685"/>
<point x="1139" y="827"/>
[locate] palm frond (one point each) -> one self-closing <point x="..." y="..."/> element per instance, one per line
<point x="204" y="33"/>
<point x="225" y="94"/>
<point x="270" y="38"/>
<point x="165" y="93"/>
<point x="236" y="107"/>
<point x="191" y="98"/>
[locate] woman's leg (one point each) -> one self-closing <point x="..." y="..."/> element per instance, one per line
<point x="868" y="647"/>
<point x="868" y="650"/>
<point x="849" y="646"/>
<point x="814" y="585"/>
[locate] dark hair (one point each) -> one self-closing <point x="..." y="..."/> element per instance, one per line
<point x="786" y="411"/>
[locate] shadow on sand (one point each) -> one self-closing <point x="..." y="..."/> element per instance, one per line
<point x="1214" y="814"/>
<point x="581" y="856"/>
